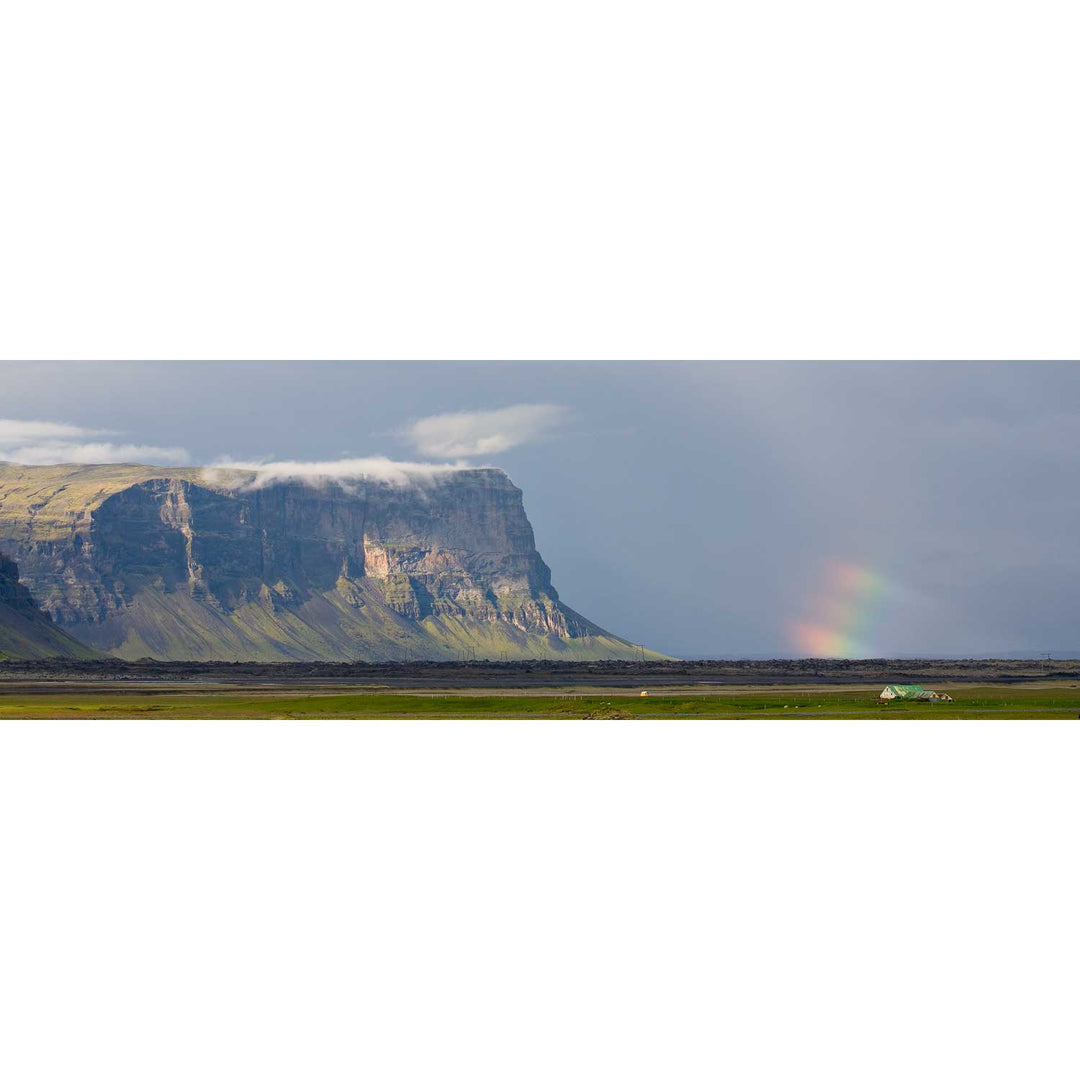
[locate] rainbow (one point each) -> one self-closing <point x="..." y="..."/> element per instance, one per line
<point x="841" y="612"/>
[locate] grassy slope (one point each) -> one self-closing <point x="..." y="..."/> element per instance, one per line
<point x="35" y="637"/>
<point x="326" y="627"/>
<point x="981" y="703"/>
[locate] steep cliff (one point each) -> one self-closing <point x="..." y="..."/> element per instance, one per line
<point x="188" y="564"/>
<point x="26" y="632"/>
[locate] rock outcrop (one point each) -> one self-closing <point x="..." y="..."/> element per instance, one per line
<point x="188" y="564"/>
<point x="26" y="632"/>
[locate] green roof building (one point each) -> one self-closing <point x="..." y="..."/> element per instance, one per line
<point x="911" y="692"/>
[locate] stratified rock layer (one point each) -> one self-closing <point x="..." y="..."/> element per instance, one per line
<point x="190" y="565"/>
<point x="26" y="632"/>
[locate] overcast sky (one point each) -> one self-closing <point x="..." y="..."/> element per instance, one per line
<point x="703" y="509"/>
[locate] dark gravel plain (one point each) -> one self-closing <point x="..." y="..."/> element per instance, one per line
<point x="527" y="675"/>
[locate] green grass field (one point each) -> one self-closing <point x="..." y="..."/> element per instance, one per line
<point x="745" y="703"/>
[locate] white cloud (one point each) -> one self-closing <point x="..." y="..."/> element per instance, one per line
<point x="470" y="434"/>
<point x="24" y="432"/>
<point x="48" y="442"/>
<point x="99" y="453"/>
<point x="320" y="473"/>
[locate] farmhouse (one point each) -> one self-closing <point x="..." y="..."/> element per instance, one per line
<point x="910" y="692"/>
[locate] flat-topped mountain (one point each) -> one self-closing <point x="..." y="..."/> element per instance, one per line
<point x="193" y="564"/>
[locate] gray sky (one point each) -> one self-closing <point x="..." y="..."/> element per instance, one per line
<point x="703" y="509"/>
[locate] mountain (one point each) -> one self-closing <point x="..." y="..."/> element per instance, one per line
<point x="193" y="564"/>
<point x="26" y="632"/>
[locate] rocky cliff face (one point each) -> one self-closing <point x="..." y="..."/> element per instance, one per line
<point x="181" y="564"/>
<point x="26" y="632"/>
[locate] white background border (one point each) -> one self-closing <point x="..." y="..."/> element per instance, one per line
<point x="484" y="180"/>
<point x="527" y="899"/>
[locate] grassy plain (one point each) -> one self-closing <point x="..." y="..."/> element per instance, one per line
<point x="1060" y="702"/>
